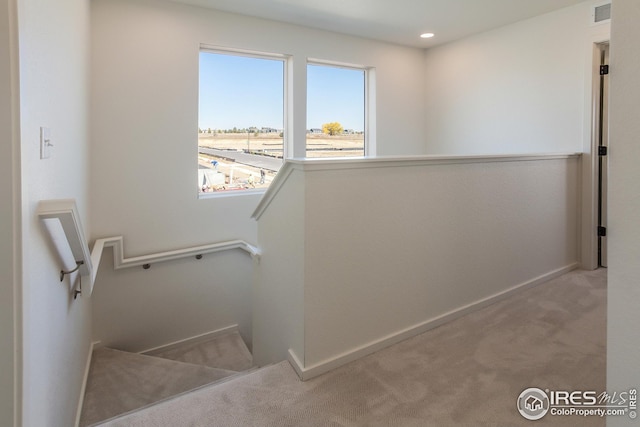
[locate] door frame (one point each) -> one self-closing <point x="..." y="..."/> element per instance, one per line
<point x="589" y="205"/>
<point x="602" y="127"/>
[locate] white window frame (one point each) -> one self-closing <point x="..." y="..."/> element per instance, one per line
<point x="369" y="100"/>
<point x="287" y="132"/>
<point x="291" y="146"/>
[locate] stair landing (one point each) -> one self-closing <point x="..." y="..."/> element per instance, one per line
<point x="120" y="382"/>
<point x="226" y="351"/>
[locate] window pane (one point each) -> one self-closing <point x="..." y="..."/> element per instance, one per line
<point x="335" y="111"/>
<point x="240" y="123"/>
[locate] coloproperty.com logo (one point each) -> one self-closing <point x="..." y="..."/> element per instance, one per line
<point x="534" y="403"/>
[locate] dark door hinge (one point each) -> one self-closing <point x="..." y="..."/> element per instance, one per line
<point x="602" y="231"/>
<point x="604" y="70"/>
<point x="602" y="150"/>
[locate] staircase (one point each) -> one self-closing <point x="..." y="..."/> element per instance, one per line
<point x="120" y="382"/>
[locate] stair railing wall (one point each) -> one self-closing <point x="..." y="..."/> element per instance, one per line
<point x="361" y="253"/>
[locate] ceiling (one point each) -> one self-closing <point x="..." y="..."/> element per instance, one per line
<point x="395" y="21"/>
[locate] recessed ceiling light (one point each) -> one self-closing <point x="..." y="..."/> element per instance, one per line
<point x="427" y="35"/>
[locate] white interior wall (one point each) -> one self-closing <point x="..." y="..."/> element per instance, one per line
<point x="384" y="249"/>
<point x="7" y="237"/>
<point x="137" y="309"/>
<point x="387" y="249"/>
<point x="53" y="72"/>
<point x="144" y="114"/>
<point x="44" y="28"/>
<point x="623" y="336"/>
<point x="516" y="89"/>
<point x="143" y="128"/>
<point x="278" y="305"/>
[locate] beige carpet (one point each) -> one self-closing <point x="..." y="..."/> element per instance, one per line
<point x="468" y="372"/>
<point x="120" y="381"/>
<point x="225" y="352"/>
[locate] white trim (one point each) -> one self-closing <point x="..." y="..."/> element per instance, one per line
<point x="369" y="100"/>
<point x="231" y="193"/>
<point x="306" y="373"/>
<point x="324" y="164"/>
<point x="192" y="340"/>
<point x="288" y="134"/>
<point x="67" y="213"/>
<point x="85" y="378"/>
<point x="282" y="177"/>
<point x="287" y="103"/>
<point x="296" y="364"/>
<point x="221" y="50"/>
<point x="119" y="261"/>
<point x="96" y="256"/>
<point x="337" y="64"/>
<point x="370" y="111"/>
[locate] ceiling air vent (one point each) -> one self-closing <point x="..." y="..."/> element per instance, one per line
<point x="601" y="13"/>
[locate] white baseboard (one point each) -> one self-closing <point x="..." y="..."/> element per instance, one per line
<point x="306" y="373"/>
<point x="85" y="378"/>
<point x="297" y="365"/>
<point x="192" y="340"/>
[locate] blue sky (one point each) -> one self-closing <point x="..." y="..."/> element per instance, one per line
<point x="237" y="91"/>
<point x="335" y="95"/>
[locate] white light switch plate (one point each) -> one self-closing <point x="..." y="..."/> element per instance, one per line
<point x="45" y="143"/>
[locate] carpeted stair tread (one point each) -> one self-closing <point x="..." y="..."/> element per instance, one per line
<point x="278" y="375"/>
<point x="119" y="382"/>
<point x="226" y="351"/>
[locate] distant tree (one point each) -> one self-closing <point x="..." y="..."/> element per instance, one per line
<point x="209" y="131"/>
<point x="333" y="128"/>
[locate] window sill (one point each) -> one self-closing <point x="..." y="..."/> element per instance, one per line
<point x="232" y="193"/>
